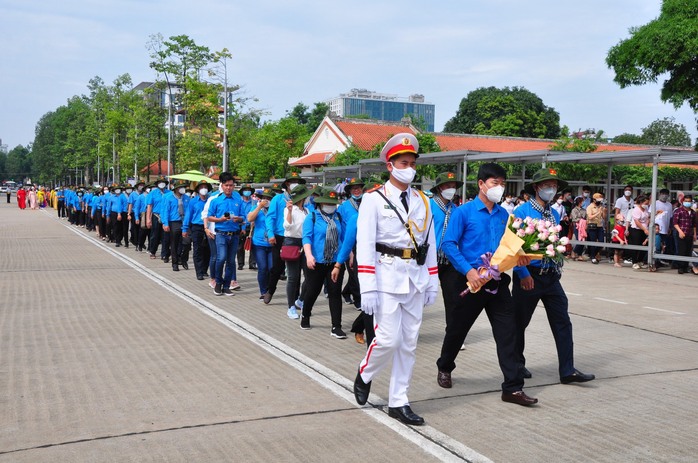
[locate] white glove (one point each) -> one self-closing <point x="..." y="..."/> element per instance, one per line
<point x="429" y="298"/>
<point x="369" y="302"/>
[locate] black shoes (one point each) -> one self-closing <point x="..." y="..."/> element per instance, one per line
<point x="175" y="268"/>
<point x="361" y="390"/>
<point x="526" y="374"/>
<point x="406" y="415"/>
<point x="185" y="266"/>
<point x="576" y="377"/>
<point x="443" y="378"/>
<point x="518" y="398"/>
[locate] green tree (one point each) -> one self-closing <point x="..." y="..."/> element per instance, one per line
<point x="628" y="138"/>
<point x="667" y="45"/>
<point x="18" y="163"/>
<point x="507" y="111"/>
<point x="310" y="119"/>
<point x="666" y="132"/>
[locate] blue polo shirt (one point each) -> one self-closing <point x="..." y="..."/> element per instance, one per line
<point x="260" y="235"/>
<point x="275" y="215"/>
<point x="170" y="209"/>
<point x="473" y="231"/>
<point x="314" y="231"/>
<point x="222" y="204"/>
<point x="193" y="213"/>
<point x="439" y="219"/>
<point x="155" y="198"/>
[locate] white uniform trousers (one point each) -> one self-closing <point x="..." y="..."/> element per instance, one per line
<point x="397" y="321"/>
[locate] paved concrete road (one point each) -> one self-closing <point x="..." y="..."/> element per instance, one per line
<point x="106" y="355"/>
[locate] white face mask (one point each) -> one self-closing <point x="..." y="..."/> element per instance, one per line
<point x="106" y="190"/>
<point x="292" y="186"/>
<point x="129" y="190"/>
<point x="495" y="193"/>
<point x="203" y="191"/>
<point x="559" y="201"/>
<point x="548" y="193"/>
<point x="585" y="194"/>
<point x="147" y="190"/>
<point x="117" y="191"/>
<point x="448" y="193"/>
<point x="328" y="208"/>
<point x="182" y="190"/>
<point x="627" y="193"/>
<point x="161" y="185"/>
<point x="405" y="175"/>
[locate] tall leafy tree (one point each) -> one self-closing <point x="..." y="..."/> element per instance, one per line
<point x="18" y="163"/>
<point x="666" y="132"/>
<point x="666" y="46"/>
<point x="514" y="112"/>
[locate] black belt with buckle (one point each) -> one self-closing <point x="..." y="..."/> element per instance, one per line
<point x="406" y="253"/>
<point x="228" y="233"/>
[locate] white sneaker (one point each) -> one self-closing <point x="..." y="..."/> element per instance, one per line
<point x="234" y="285"/>
<point x="627" y="261"/>
<point x="636" y="266"/>
<point x="292" y="313"/>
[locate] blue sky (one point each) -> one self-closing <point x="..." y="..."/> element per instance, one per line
<point x="308" y="51"/>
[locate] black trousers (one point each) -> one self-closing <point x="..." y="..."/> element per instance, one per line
<point x="685" y="248"/>
<point x="176" y="241"/>
<point x="118" y="226"/>
<point x="101" y="222"/>
<point x="546" y="288"/>
<point x="60" y="208"/>
<point x="143" y="233"/>
<point x="202" y="252"/>
<point x="351" y="289"/>
<point x="135" y="231"/>
<point x="461" y="313"/>
<point x="279" y="266"/>
<point x="637" y="236"/>
<point x="155" y="235"/>
<point x="364" y="323"/>
<point x="314" y="281"/>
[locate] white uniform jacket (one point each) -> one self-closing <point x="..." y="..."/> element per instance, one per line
<point x="378" y="223"/>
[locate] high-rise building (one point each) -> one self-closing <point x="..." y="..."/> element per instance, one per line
<point x="384" y="107"/>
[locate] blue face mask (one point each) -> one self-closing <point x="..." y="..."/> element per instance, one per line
<point x="687" y="204"/>
<point x="247" y="193"/>
<point x="356" y="197"/>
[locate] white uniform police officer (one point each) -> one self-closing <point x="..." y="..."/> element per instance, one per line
<point x="396" y="262"/>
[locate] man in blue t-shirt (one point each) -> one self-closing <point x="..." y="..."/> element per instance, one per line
<point x="226" y="212"/>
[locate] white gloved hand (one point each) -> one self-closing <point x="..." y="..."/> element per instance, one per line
<point x="429" y="298"/>
<point x="369" y="302"/>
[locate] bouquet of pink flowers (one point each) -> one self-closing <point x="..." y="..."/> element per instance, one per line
<point x="534" y="238"/>
<point x="540" y="238"/>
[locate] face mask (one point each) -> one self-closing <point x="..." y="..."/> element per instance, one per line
<point x="203" y="191"/>
<point x="106" y="190"/>
<point x="585" y="194"/>
<point x="292" y="186"/>
<point x="117" y="191"/>
<point x="448" y="193"/>
<point x="559" y="201"/>
<point x="495" y="194"/>
<point x="356" y="197"/>
<point x="627" y="193"/>
<point x="599" y="202"/>
<point x="129" y="190"/>
<point x="79" y="194"/>
<point x="140" y="188"/>
<point x="329" y="208"/>
<point x="663" y="198"/>
<point x="247" y="193"/>
<point x="687" y="204"/>
<point x="546" y="194"/>
<point x="509" y="200"/>
<point x="147" y="190"/>
<point x="405" y="175"/>
<point x="645" y="206"/>
<point x="161" y="185"/>
<point x="182" y="190"/>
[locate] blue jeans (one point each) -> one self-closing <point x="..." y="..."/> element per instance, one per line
<point x="264" y="257"/>
<point x="594" y="236"/>
<point x="226" y="250"/>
